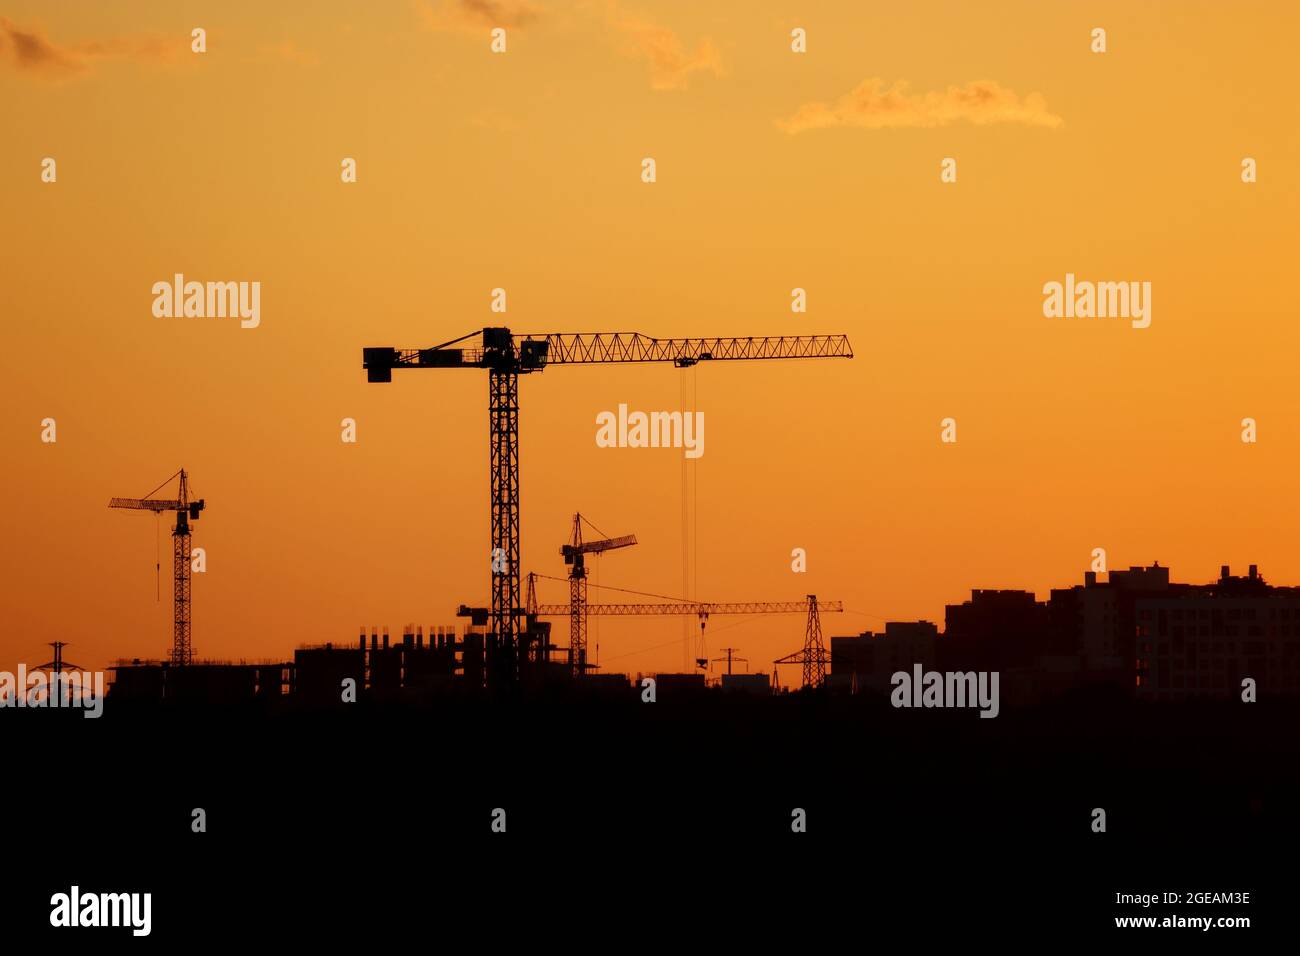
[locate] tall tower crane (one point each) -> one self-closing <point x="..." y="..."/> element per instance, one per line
<point x="186" y="511"/>
<point x="574" y="555"/>
<point x="506" y="357"/>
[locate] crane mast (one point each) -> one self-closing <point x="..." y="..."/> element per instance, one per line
<point x="506" y="357"/>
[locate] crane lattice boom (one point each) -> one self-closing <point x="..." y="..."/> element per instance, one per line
<point x="146" y="504"/>
<point x="598" y="547"/>
<point x="692" y="607"/>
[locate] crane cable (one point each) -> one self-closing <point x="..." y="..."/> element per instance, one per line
<point x="592" y="526"/>
<point x="655" y="647"/>
<point x="157" y="550"/>
<point x="685" y="529"/>
<point x="610" y="587"/>
<point x="163" y="485"/>
<point x="695" y="504"/>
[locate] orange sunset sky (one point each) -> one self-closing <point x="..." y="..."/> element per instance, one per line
<point x="522" y="171"/>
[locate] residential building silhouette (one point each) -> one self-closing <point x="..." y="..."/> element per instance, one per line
<point x="1136" y="634"/>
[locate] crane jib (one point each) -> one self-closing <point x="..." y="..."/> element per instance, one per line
<point x="502" y="351"/>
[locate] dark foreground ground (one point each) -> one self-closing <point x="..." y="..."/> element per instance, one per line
<point x="655" y="824"/>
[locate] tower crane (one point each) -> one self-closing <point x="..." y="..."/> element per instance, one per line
<point x="574" y="554"/>
<point x="702" y="610"/>
<point x="186" y="511"/>
<point x="506" y="357"/>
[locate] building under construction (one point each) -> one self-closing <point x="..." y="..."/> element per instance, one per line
<point x="413" y="668"/>
<point x="206" y="682"/>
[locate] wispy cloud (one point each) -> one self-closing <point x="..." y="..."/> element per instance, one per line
<point x="290" y="52"/>
<point x="670" y="65"/>
<point x="496" y="122"/>
<point x="29" y="51"/>
<point x="873" y="105"/>
<point x="476" y="14"/>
